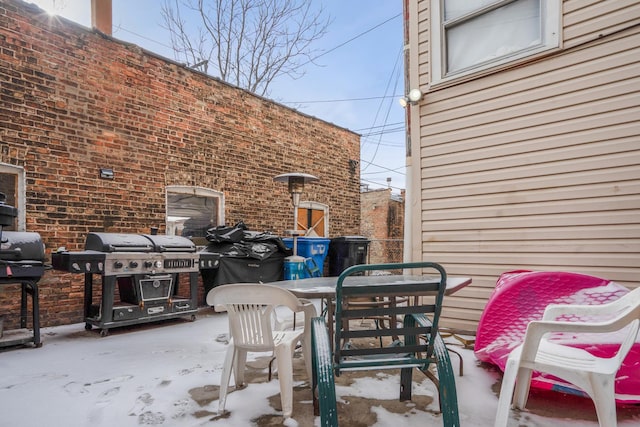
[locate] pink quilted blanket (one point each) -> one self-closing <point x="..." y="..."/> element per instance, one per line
<point x="521" y="296"/>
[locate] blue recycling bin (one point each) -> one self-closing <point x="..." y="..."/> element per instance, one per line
<point x="315" y="248"/>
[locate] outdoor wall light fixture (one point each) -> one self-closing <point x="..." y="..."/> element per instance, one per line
<point x="353" y="165"/>
<point x="106" y="173"/>
<point x="413" y="97"/>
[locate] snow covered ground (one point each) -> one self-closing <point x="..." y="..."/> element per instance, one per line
<point x="168" y="374"/>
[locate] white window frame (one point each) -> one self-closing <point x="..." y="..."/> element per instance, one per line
<point x="551" y="25"/>
<point x="318" y="207"/>
<point x="174" y="223"/>
<point x="21" y="195"/>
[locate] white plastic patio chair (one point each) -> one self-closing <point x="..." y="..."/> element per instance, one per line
<point x="252" y="328"/>
<point x="594" y="375"/>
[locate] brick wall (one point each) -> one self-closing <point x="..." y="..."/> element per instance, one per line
<point x="375" y="208"/>
<point x="75" y="100"/>
<point x="383" y="223"/>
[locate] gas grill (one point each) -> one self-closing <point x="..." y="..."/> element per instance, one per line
<point x="21" y="262"/>
<point x="144" y="269"/>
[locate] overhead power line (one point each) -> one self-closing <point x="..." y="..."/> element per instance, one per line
<point x="384" y="132"/>
<point x="121" y="28"/>
<point x="351" y="39"/>
<point x="382" y="167"/>
<point x="341" y="100"/>
<point x="381" y="184"/>
<point x="380" y="126"/>
<point x="386" y="172"/>
<point x="396" y="71"/>
<point x="393" y="144"/>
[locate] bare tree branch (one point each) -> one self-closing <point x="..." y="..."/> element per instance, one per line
<point x="248" y="43"/>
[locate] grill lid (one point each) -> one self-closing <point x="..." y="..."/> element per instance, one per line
<point x="21" y="245"/>
<point x="165" y="243"/>
<point x="116" y="242"/>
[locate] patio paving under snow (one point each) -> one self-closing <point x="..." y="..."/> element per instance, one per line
<point x="168" y="373"/>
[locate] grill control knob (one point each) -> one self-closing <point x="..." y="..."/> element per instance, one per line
<point x="133" y="264"/>
<point x="148" y="264"/>
<point x="158" y="264"/>
<point x="117" y="264"/>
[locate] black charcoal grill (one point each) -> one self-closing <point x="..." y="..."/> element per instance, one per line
<point x="22" y="261"/>
<point x="21" y="256"/>
<point x="145" y="270"/>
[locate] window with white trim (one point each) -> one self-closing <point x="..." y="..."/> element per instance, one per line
<point x="313" y="218"/>
<point x="191" y="211"/>
<point x="473" y="35"/>
<point x="12" y="185"/>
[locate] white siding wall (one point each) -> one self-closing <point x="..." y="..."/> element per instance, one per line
<point x="535" y="166"/>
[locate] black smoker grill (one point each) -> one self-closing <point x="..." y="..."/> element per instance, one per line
<point x="21" y="262"/>
<point x="146" y="269"/>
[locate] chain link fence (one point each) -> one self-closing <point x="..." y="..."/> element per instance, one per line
<point x="385" y="251"/>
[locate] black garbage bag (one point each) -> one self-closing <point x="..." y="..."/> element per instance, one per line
<point x="225" y="233"/>
<point x="244" y="249"/>
<point x="267" y="238"/>
<point x="238" y="242"/>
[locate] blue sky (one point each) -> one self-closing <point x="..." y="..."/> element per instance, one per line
<point x="356" y="84"/>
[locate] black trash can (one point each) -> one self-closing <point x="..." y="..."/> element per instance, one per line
<point x="346" y="251"/>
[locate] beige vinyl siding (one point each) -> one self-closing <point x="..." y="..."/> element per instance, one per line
<point x="587" y="20"/>
<point x="536" y="165"/>
<point x="422" y="44"/>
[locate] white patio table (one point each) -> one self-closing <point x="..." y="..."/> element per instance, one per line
<point x="324" y="288"/>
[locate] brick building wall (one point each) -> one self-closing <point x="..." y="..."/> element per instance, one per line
<point x="382" y="222"/>
<point x="75" y="100"/>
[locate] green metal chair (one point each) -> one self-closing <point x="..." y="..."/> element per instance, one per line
<point x="421" y="346"/>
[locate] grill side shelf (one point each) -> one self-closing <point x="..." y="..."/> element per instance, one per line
<point x="79" y="262"/>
